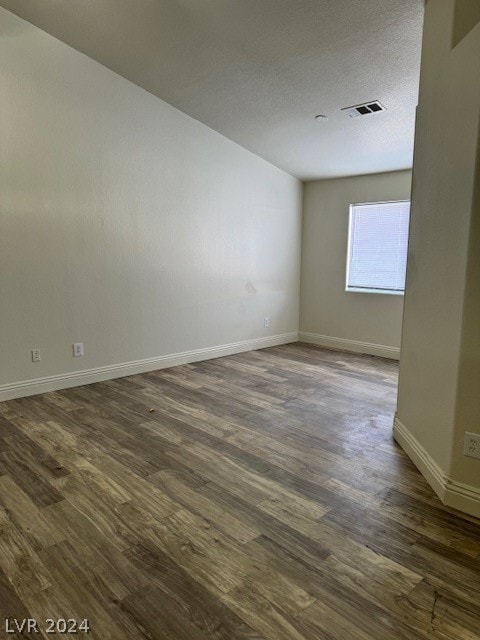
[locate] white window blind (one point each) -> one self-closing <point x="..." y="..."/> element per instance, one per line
<point x="377" y="247"/>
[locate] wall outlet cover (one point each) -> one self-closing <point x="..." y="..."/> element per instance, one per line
<point x="78" y="349"/>
<point x="472" y="445"/>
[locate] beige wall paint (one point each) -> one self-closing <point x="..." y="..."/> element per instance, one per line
<point x="467" y="15"/>
<point x="326" y="308"/>
<point x="125" y="224"/>
<point x="467" y="406"/>
<point x="439" y="367"/>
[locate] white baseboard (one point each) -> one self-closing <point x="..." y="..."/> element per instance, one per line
<point x="427" y="466"/>
<point x="453" y="494"/>
<point x="343" y="344"/>
<point x="463" y="497"/>
<point x="87" y="376"/>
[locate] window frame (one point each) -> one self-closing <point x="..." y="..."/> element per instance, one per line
<point x="388" y="292"/>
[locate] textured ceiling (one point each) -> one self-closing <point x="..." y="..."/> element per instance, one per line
<point x="258" y="71"/>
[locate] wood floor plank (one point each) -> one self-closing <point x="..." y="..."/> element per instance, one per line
<point x="262" y="615"/>
<point x="19" y="561"/>
<point x="362" y="589"/>
<point x="12" y="606"/>
<point x="205" y="610"/>
<point x="443" y="612"/>
<point x="158" y="616"/>
<point x="258" y="496"/>
<point x="304" y="547"/>
<point x="32" y="467"/>
<point x="26" y="515"/>
<point x="103" y="558"/>
<point x="84" y="596"/>
<point x="199" y="505"/>
<point x="243" y="567"/>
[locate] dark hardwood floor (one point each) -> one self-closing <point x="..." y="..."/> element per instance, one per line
<point x="257" y="496"/>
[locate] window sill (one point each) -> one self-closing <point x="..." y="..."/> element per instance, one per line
<point x="387" y="292"/>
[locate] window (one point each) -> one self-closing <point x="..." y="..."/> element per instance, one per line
<point x="377" y="247"/>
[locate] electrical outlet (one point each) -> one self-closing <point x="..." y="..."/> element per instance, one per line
<point x="36" y="355"/>
<point x="472" y="445"/>
<point x="78" y="349"/>
<point x="266" y="321"/>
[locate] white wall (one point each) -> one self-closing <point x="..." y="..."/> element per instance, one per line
<point x="125" y="224"/>
<point x="439" y="390"/>
<point x="373" y="321"/>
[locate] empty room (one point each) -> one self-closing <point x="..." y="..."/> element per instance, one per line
<point x="240" y="319"/>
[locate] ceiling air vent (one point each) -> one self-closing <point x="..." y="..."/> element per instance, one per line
<point x="364" y="109"/>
